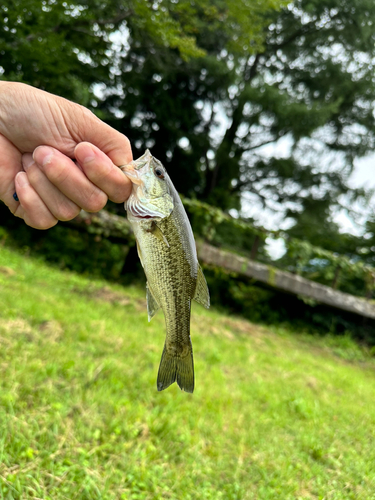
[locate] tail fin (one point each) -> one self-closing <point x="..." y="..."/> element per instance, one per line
<point x="174" y="367"/>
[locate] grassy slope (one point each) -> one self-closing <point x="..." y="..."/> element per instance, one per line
<point x="274" y="415"/>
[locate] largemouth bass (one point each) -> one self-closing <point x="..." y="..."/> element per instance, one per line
<point x="167" y="251"/>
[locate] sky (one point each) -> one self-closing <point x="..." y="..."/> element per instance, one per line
<point x="364" y="174"/>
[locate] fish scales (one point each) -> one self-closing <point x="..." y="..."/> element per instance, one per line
<point x="166" y="248"/>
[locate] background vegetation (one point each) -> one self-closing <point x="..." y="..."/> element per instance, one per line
<point x="245" y="102"/>
<point x="208" y="84"/>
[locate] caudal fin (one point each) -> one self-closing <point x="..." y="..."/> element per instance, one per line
<point x="176" y="368"/>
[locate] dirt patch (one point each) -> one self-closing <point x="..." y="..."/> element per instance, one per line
<point x="7" y="271"/>
<point x="105" y="294"/>
<point x="243" y="327"/>
<point x="51" y="330"/>
<point x="228" y="327"/>
<point x="15" y="328"/>
<point x="108" y="295"/>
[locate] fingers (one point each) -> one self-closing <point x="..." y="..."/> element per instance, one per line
<point x="60" y="206"/>
<point x="69" y="179"/>
<point x="102" y="172"/>
<point x="90" y="182"/>
<point x="31" y="208"/>
<point x="10" y="165"/>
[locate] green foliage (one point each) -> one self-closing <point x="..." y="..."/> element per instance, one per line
<point x="274" y="415"/>
<point x="206" y="84"/>
<point x="219" y="229"/>
<point x="74" y="249"/>
<point x="364" y="246"/>
<point x="163" y="98"/>
<point x="305" y="77"/>
<point x="350" y="275"/>
<point x="66" y="47"/>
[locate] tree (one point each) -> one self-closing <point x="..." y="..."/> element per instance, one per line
<point x="209" y="84"/>
<point x="308" y="80"/>
<point x="165" y="101"/>
<point x="66" y="47"/>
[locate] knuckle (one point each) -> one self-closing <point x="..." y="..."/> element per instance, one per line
<point x="86" y="113"/>
<point x="127" y="143"/>
<point x="118" y="197"/>
<point x="95" y="202"/>
<point x="41" y="223"/>
<point x="67" y="212"/>
<point x="56" y="172"/>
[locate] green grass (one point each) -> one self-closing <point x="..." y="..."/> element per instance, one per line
<point x="274" y="415"/>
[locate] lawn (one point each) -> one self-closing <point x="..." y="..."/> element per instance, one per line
<point x="275" y="415"/>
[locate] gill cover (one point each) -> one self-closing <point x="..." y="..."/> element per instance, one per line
<point x="150" y="196"/>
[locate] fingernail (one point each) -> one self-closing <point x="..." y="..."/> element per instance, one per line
<point x="43" y="155"/>
<point x="22" y="180"/>
<point x="15" y="196"/>
<point x="89" y="153"/>
<point x="88" y="158"/>
<point x="27" y="161"/>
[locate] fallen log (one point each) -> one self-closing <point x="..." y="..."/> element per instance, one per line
<point x="103" y="224"/>
<point x="286" y="281"/>
<point x="109" y="225"/>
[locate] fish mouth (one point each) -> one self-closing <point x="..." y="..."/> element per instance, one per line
<point x="132" y="173"/>
<point x="132" y="169"/>
<point x="145" y="217"/>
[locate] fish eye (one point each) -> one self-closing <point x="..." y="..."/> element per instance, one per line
<point x="159" y="173"/>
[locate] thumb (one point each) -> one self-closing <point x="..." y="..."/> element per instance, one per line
<point x="89" y="128"/>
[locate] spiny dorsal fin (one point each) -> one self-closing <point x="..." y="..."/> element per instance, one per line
<point x="202" y="295"/>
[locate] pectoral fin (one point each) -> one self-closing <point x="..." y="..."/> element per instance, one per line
<point x="152" y="305"/>
<point x="157" y="232"/>
<point x="139" y="252"/>
<point x="202" y="295"/>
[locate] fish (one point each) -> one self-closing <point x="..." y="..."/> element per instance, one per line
<point x="167" y="251"/>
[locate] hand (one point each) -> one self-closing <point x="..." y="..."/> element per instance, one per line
<point x="40" y="135"/>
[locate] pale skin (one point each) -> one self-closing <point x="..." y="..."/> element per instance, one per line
<point x="40" y="136"/>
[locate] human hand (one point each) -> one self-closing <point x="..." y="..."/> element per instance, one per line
<point x="40" y="135"/>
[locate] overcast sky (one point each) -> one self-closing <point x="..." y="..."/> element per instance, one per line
<point x="363" y="176"/>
